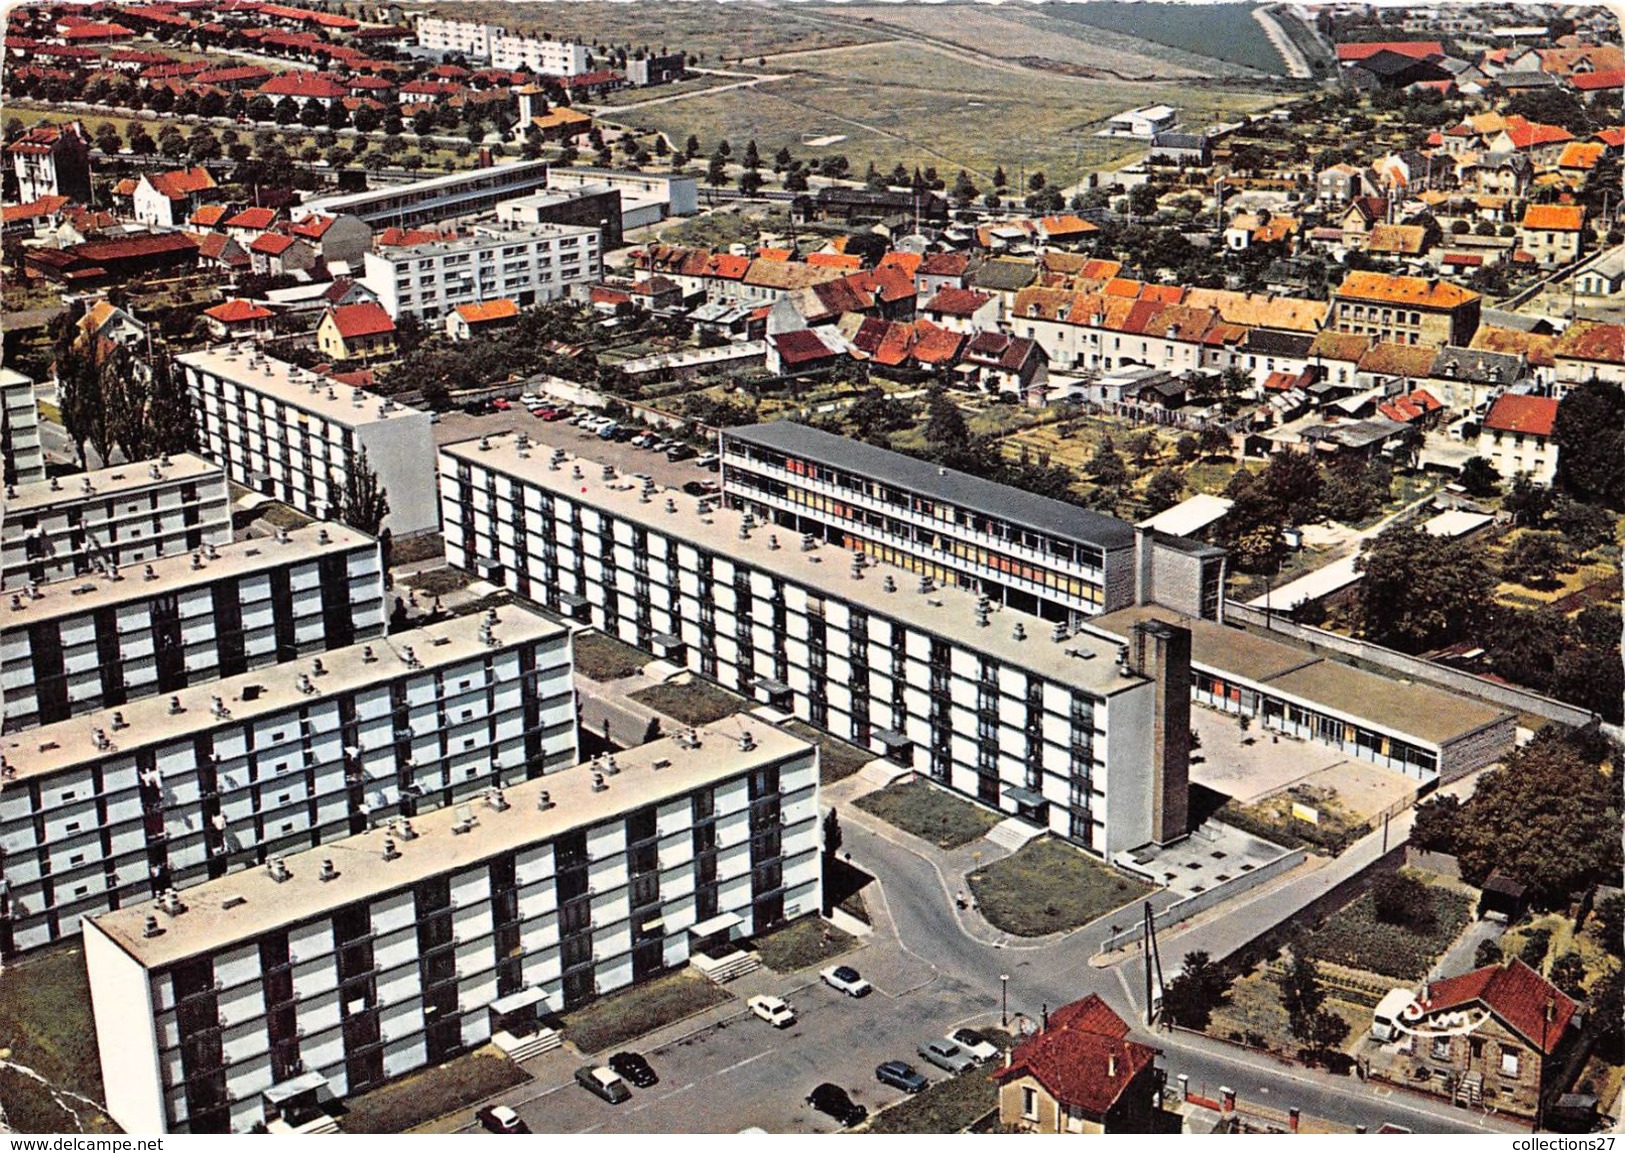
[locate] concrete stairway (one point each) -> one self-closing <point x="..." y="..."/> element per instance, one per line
<point x="1013" y="832"/>
<point x="524" y="1048"/>
<point x="731" y="967"/>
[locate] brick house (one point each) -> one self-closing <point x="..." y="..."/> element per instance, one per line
<point x="1079" y="1074"/>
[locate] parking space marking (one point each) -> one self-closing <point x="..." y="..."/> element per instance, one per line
<point x="741" y="1064"/>
<point x="663" y="1097"/>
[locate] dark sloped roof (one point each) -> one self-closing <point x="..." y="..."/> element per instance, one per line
<point x="1039" y="513"/>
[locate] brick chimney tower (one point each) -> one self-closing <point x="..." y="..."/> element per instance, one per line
<point x="1161" y="653"/>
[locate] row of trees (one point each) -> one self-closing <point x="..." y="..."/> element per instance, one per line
<point x="115" y="401"/>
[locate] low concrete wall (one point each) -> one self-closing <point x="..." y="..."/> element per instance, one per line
<point x="1188" y="907"/>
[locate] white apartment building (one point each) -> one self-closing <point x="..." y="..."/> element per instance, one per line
<point x="294" y="435"/>
<point x="653" y="196"/>
<point x="496" y="44"/>
<point x="23" y="455"/>
<point x="76" y="647"/>
<point x="330" y="971"/>
<point x="108" y="810"/>
<point x="114" y="516"/>
<point x="530" y="265"/>
<point x="465" y="37"/>
<point x="1000" y="705"/>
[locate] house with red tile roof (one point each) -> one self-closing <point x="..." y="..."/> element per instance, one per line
<point x="1415" y="49"/>
<point x="106" y="261"/>
<point x="996" y="362"/>
<point x="277" y="254"/>
<point x="1493" y="1036"/>
<point x="1543" y="143"/>
<point x="302" y="87"/>
<point x="802" y="350"/>
<point x="1517" y="437"/>
<point x="962" y="310"/>
<point x="1079" y="1074"/>
<point x="1420" y="408"/>
<point x="467" y="321"/>
<point x="52" y="161"/>
<point x="245" y="225"/>
<point x="356" y="332"/>
<point x="220" y="252"/>
<point x="166" y="199"/>
<point x="238" y="319"/>
<point x="1553" y="233"/>
<point x="1589" y="351"/>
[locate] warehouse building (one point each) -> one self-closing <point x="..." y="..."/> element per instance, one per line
<point x="80" y="646"/>
<point x="54" y="530"/>
<point x="1002" y="706"/>
<point x="112" y="808"/>
<point x="255" y="997"/>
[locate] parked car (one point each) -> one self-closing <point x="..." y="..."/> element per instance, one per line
<point x="502" y="404"/>
<point x="832" y="1100"/>
<point x="478" y="407"/>
<point x="974" y="1043"/>
<point x="643" y="440"/>
<point x="500" y="1119"/>
<point x="531" y="400"/>
<point x="679" y="452"/>
<point x="773" y="1010"/>
<point x="946" y="1055"/>
<point x="607" y="431"/>
<point x="634" y="1068"/>
<point x="554" y="414"/>
<point x="602" y="1081"/>
<point x="621" y="434"/>
<point x="846" y="979"/>
<point x="707" y="460"/>
<point x="701" y="487"/>
<point x="900" y="1075"/>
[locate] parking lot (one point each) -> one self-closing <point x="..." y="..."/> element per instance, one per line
<point x="457" y="426"/>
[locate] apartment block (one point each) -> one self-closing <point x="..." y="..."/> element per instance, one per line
<point x="1031" y="553"/>
<point x="295" y="435"/>
<point x="1001" y="705"/>
<point x="463" y="37"/>
<point x="1405" y="309"/>
<point x="544" y="57"/>
<point x="116" y="807"/>
<point x="55" y="530"/>
<point x="20" y="448"/>
<point x="78" y="647"/>
<point x="432" y="199"/>
<point x="335" y="969"/>
<point x="530" y="265"/>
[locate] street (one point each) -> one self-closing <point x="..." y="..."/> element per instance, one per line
<point x="933" y="971"/>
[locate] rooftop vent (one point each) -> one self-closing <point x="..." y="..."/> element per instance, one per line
<point x="598" y="785"/>
<point x="544" y="801"/>
<point x="466" y="820"/>
<point x="328" y="872"/>
<point x="152" y="928"/>
<point x="496" y="801"/>
<point x="390" y="853"/>
<point x="747" y="742"/>
<point x="277" y="869"/>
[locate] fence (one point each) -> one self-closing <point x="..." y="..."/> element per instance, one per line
<point x="1387" y="660"/>
<point x="1187" y="907"/>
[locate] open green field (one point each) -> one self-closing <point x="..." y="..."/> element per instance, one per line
<point x="1226" y="31"/>
<point x="921" y="104"/>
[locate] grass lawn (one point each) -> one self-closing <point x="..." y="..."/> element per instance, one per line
<point x="837" y="760"/>
<point x="279" y="515"/>
<point x="1252" y="1015"/>
<point x="949" y="1106"/>
<point x="639" y="1009"/>
<point x="420" y="1097"/>
<point x="801" y="944"/>
<point x="438" y="581"/>
<point x="695" y="702"/>
<point x="423" y="546"/>
<point x="601" y="657"/>
<point x="1354" y="937"/>
<point x="1273" y="820"/>
<point x="932" y="814"/>
<point x="46" y="1026"/>
<point x="1047" y="886"/>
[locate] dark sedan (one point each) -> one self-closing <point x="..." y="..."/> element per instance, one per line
<point x="833" y="1101"/>
<point x="900" y="1075"/>
<point x="632" y="1067"/>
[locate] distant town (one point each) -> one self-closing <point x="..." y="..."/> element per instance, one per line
<point x="777" y="568"/>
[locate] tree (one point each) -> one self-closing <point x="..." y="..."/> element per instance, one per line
<point x="1299" y="985"/>
<point x="1527" y="502"/>
<point x="1190" y="998"/>
<point x="171" y="420"/>
<point x="1106" y="468"/>
<point x="1590" y="436"/>
<point x="1187" y="448"/>
<point x="126" y="391"/>
<point x="832" y="834"/>
<point x="1036" y="182"/>
<point x="716" y="172"/>
<point x="1400" y="899"/>
<point x="1489" y="953"/>
<point x="1434" y="830"/>
<point x="1479" y="478"/>
<point x="750" y="182"/>
<point x="1610" y="915"/>
<point x="795" y="180"/>
<point x="1164" y="490"/>
<point x="1422" y="591"/>
<point x="108" y="142"/>
<point x="692" y="148"/>
<point x="362" y="503"/>
<point x="753" y="158"/>
<point x="172" y="145"/>
<point x="1568" y="973"/>
<point x="287" y="110"/>
<point x="1535" y="559"/>
<point x="944" y="424"/>
<point x="1550" y="818"/>
<point x="1214" y="441"/>
<point x="874" y="179"/>
<point x="1585" y="526"/>
<point x="1000" y="180"/>
<point x="261" y="109"/>
<point x="1292" y="481"/>
<point x="312" y="114"/>
<point x="964" y="193"/>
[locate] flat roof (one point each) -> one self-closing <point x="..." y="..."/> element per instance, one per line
<point x="486" y="238"/>
<point x="1040" y="513"/>
<point x="175" y="573"/>
<point x="297" y="387"/>
<point x="236" y="908"/>
<point x="826" y="570"/>
<point x="517" y="173"/>
<point x="1409" y="708"/>
<point x="39" y="495"/>
<point x="1191" y="515"/>
<point x="273" y="689"/>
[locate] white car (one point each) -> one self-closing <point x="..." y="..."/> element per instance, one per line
<point x="846" y="979"/>
<point x="773" y="1010"/>
<point x="974" y="1043"/>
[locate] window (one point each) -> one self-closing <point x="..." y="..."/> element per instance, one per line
<point x="1029" y="1102"/>
<point x="1441" y="1049"/>
<point x="1509" y="1063"/>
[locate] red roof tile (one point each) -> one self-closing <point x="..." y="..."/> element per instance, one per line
<point x="488" y="310"/>
<point x="957" y="302"/>
<point x="801" y="347"/>
<point x="237" y="312"/>
<point x="297" y="83"/>
<point x="259" y="219"/>
<point x="1516" y="994"/>
<point x="1415" y="49"/>
<point x="1585" y="340"/>
<point x="367" y="319"/>
<point x="1083" y="1059"/>
<point x="1527" y="414"/>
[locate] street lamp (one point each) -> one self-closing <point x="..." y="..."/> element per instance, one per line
<point x="1004" y="1000"/>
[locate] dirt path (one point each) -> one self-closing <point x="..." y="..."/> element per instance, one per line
<point x="609" y="110"/>
<point x="1296" y="63"/>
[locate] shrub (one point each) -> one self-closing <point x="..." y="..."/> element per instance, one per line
<point x="1535" y="946"/>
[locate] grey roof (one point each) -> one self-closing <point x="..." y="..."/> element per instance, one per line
<point x="1272" y="343"/>
<point x="1527" y="80"/>
<point x="1040" y="513"/>
<point x="1183" y="140"/>
<point x="1004" y="275"/>
<point x="1454" y="363"/>
<point x="1523" y="322"/>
